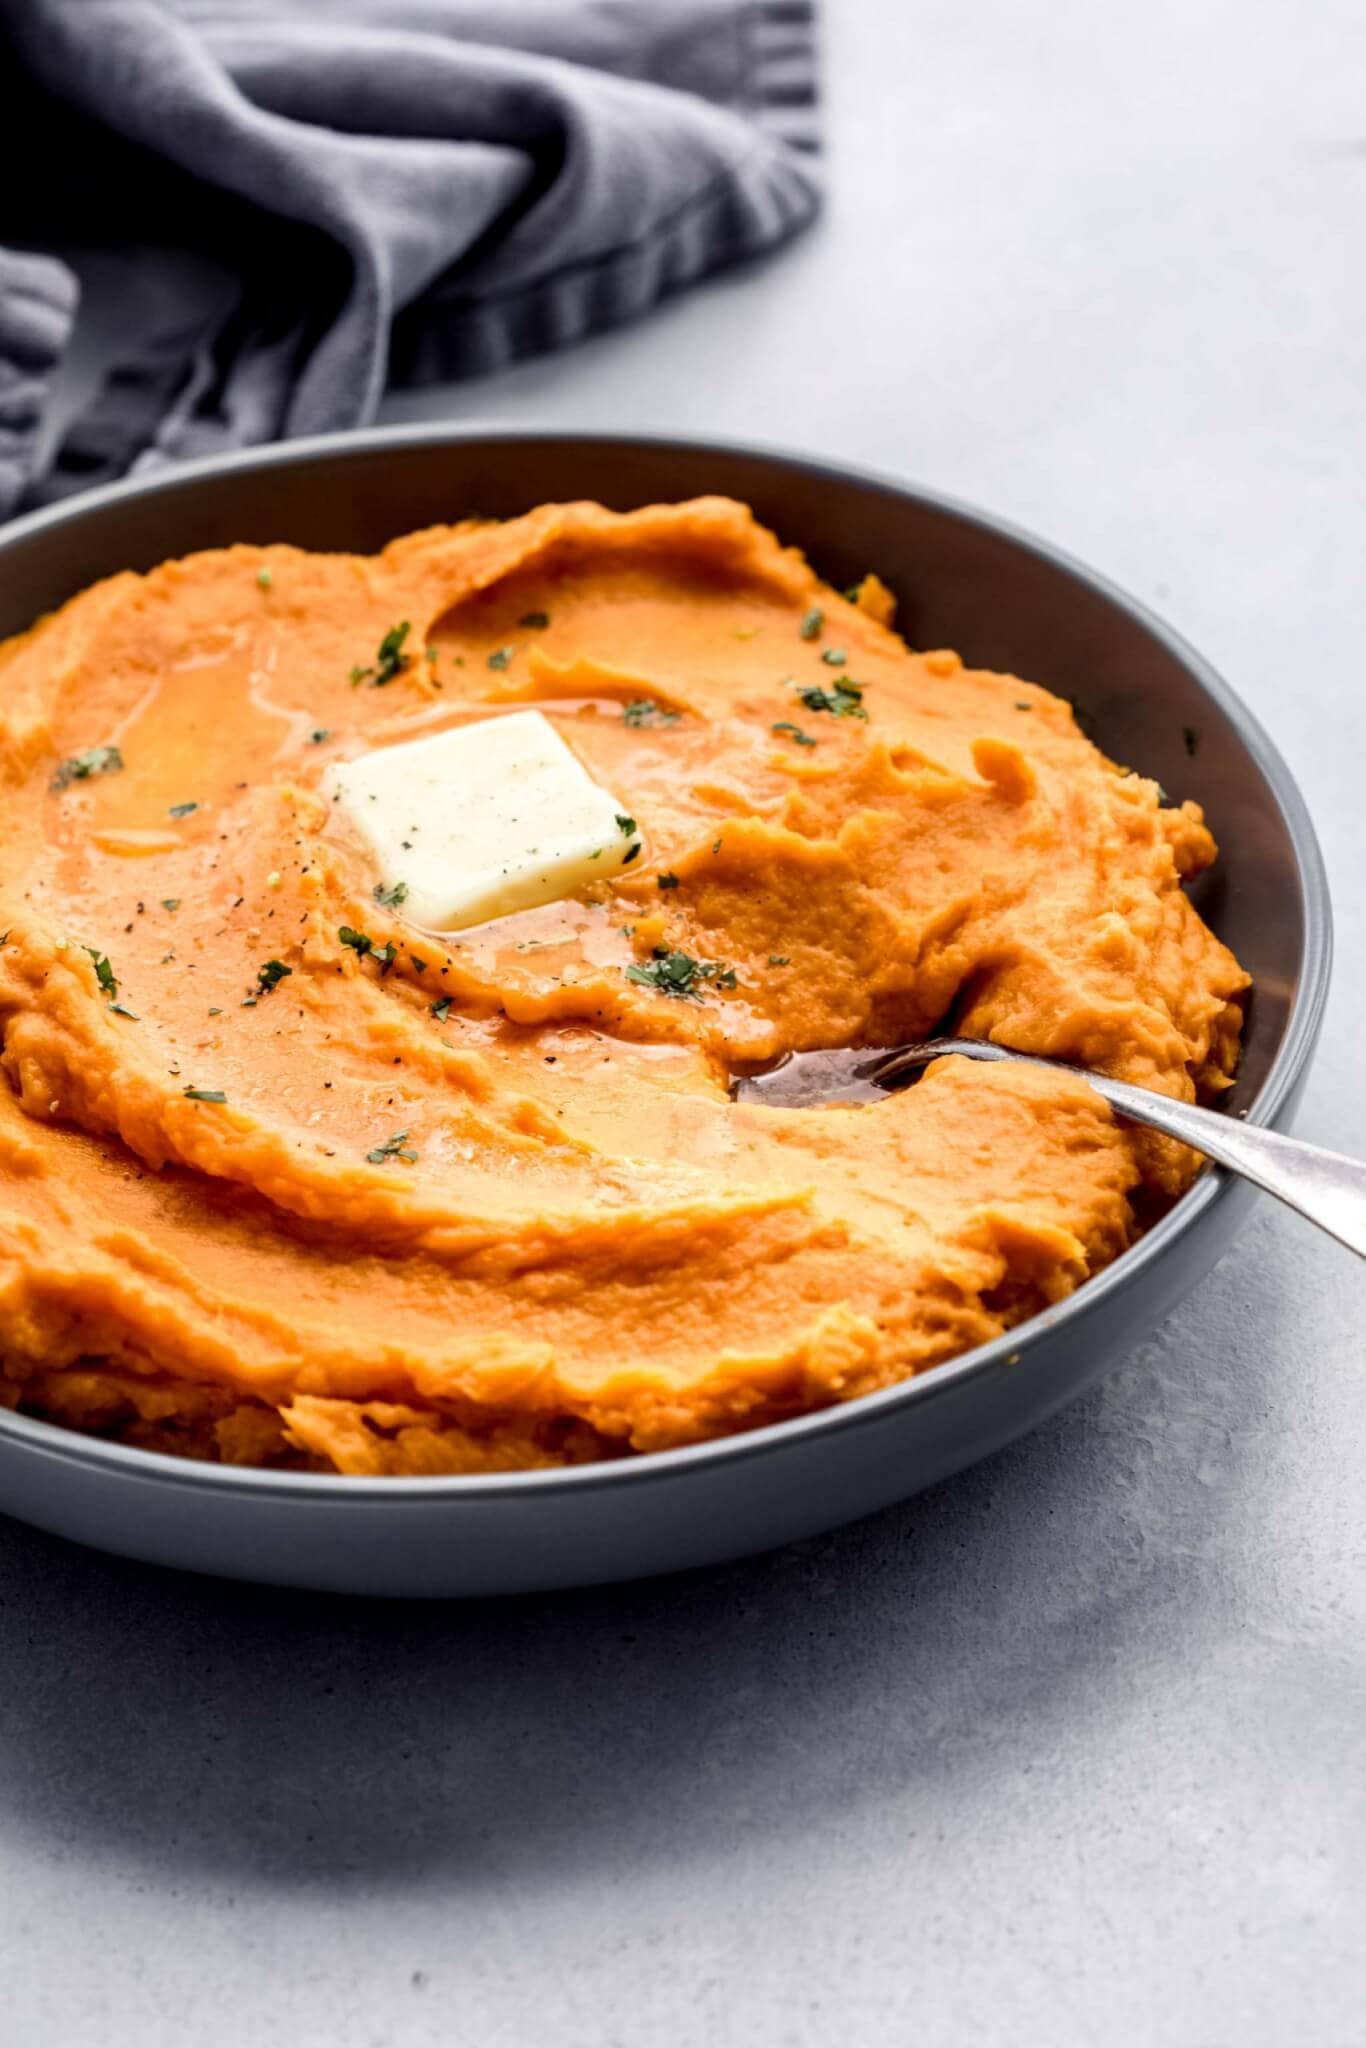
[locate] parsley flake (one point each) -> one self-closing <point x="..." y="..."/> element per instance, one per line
<point x="645" y="711"/>
<point x="121" y="1010"/>
<point x="389" y="899"/>
<point x="396" y="1147"/>
<point x="204" y="1095"/>
<point x="390" y="659"/>
<point x="362" y="944"/>
<point x="182" y="810"/>
<point x="667" y="881"/>
<point x="780" y="959"/>
<point x="794" y="732"/>
<point x="442" y="1010"/>
<point x="264" y="579"/>
<point x="270" y="976"/>
<point x="318" y="735"/>
<point x="104" y="973"/>
<point x="170" y="903"/>
<point x="534" y="619"/>
<point x="501" y="656"/>
<point x="834" y="657"/>
<point x="678" y="974"/>
<point x="810" y="627"/>
<point x="626" y="826"/>
<point x="844" y="701"/>
<point x="80" y="767"/>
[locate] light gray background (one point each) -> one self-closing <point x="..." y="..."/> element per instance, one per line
<point x="1069" y="1750"/>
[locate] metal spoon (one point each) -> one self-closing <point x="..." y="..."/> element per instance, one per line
<point x="1324" y="1186"/>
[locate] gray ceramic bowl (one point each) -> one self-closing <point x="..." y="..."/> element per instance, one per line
<point x="965" y="581"/>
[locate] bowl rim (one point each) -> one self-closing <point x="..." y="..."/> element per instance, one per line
<point x="54" y="1441"/>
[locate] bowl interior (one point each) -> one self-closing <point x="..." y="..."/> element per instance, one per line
<point x="962" y="581"/>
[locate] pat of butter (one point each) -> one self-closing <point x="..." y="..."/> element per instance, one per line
<point x="481" y="820"/>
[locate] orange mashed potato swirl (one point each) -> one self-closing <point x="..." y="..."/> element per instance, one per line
<point x="469" y="1203"/>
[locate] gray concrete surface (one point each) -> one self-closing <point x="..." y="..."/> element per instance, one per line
<point x="1069" y="1751"/>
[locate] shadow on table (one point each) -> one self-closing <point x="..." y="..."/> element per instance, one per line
<point x="213" y="1730"/>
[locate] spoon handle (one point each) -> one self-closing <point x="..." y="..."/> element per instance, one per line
<point x="1327" y="1187"/>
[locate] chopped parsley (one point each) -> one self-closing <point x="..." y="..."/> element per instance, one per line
<point x="844" y="701"/>
<point x="442" y="1010"/>
<point x="501" y="656"/>
<point x="80" y="767"/>
<point x="794" y="732"/>
<point x="1022" y="705"/>
<point x="810" y="627"/>
<point x="419" y="966"/>
<point x="264" y="578"/>
<point x="170" y="903"/>
<point x="362" y="944"/>
<point x="834" y="657"/>
<point x="104" y="973"/>
<point x="121" y="1010"/>
<point x="667" y="881"/>
<point x="534" y="619"/>
<point x="390" y="659"/>
<point x="270" y="976"/>
<point x="204" y="1095"/>
<point x="780" y="959"/>
<point x="645" y="711"/>
<point x="433" y="655"/>
<point x="389" y="899"/>
<point x="318" y="735"/>
<point x="396" y="1147"/>
<point x="630" y="854"/>
<point x="626" y="826"/>
<point x="678" y="974"/>
<point x="182" y="810"/>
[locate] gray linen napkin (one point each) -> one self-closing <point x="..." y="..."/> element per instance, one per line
<point x="411" y="190"/>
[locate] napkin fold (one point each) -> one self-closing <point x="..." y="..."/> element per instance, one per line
<point x="405" y="191"/>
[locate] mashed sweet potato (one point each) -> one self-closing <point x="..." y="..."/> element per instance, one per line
<point x="392" y="1203"/>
